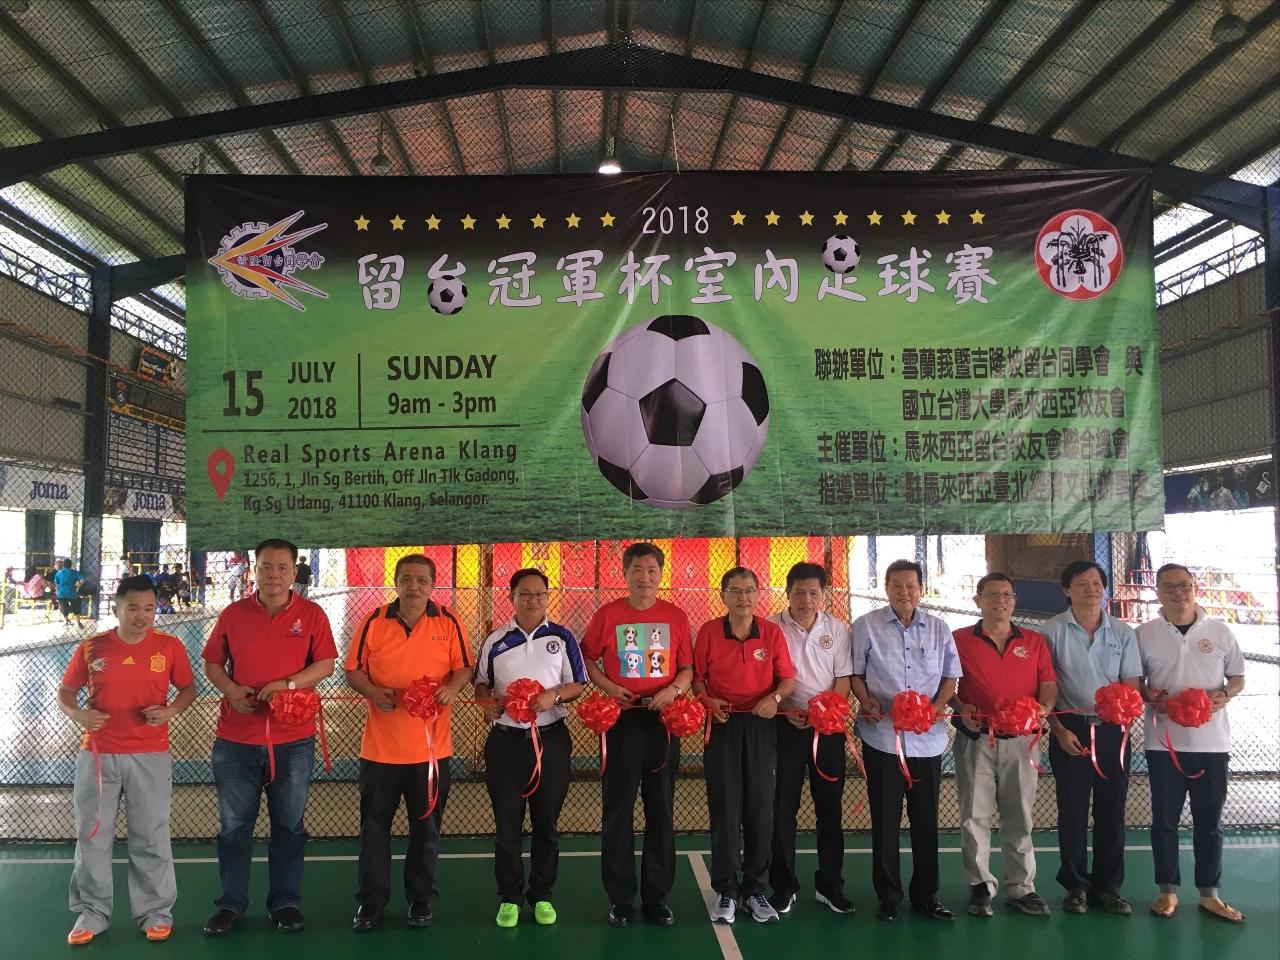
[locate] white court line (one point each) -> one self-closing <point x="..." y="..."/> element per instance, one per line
<point x="724" y="932"/>
<point x="352" y="858"/>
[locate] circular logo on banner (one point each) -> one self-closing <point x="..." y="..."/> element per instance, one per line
<point x="1205" y="645"/>
<point x="825" y="642"/>
<point x="1079" y="254"/>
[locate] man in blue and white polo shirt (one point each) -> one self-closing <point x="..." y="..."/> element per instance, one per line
<point x="528" y="646"/>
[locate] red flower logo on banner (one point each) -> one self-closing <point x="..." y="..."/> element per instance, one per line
<point x="1079" y="254"/>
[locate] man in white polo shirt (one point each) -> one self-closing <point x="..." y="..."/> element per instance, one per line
<point x="1183" y="649"/>
<point x="822" y="655"/>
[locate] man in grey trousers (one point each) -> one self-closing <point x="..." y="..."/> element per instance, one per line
<point x="127" y="673"/>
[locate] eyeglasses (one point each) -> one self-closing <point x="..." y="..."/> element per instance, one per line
<point x="1003" y="595"/>
<point x="1181" y="586"/>
<point x="522" y="595"/>
<point x="742" y="591"/>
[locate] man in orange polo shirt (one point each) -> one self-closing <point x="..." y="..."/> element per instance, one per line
<point x="128" y="672"/>
<point x="411" y="637"/>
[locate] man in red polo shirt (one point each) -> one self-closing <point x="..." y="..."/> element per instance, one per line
<point x="263" y="644"/>
<point x="1000" y="660"/>
<point x="645" y="660"/>
<point x="128" y="672"/>
<point x="742" y="672"/>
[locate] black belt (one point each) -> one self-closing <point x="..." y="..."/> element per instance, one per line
<point x="524" y="731"/>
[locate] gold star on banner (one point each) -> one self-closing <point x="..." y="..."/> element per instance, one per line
<point x="942" y="217"/>
<point x="606" y="219"/>
<point x="573" y="220"/>
<point x="468" y="222"/>
<point x="503" y="222"/>
<point x="362" y="222"/>
<point x="771" y="218"/>
<point x="738" y="218"/>
<point x="538" y="221"/>
<point x="806" y="219"/>
<point x="397" y="222"/>
<point x="977" y="216"/>
<point x="433" y="222"/>
<point x="909" y="219"/>
<point x="840" y="217"/>
<point x="874" y="218"/>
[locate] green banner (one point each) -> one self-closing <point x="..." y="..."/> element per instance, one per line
<point x="451" y="360"/>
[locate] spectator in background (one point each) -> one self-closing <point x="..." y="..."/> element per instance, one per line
<point x="237" y="567"/>
<point x="181" y="585"/>
<point x="66" y="582"/>
<point x="302" y="578"/>
<point x="35" y="587"/>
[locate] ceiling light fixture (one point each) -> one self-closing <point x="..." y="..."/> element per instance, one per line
<point x="1228" y="28"/>
<point x="380" y="163"/>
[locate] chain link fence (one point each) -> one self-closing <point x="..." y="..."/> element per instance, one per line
<point x="38" y="745"/>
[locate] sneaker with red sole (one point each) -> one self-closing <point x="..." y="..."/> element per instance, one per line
<point x="78" y="937"/>
<point x="159" y="932"/>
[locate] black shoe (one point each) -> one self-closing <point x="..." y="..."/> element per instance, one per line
<point x="782" y="902"/>
<point x="659" y="914"/>
<point x="288" y="919"/>
<point x="835" y="901"/>
<point x="367" y="918"/>
<point x="936" y="911"/>
<point x="886" y="910"/>
<point x="1076" y="901"/>
<point x="420" y="915"/>
<point x="622" y="915"/>
<point x="980" y="901"/>
<point x="220" y="923"/>
<point x="1112" y="903"/>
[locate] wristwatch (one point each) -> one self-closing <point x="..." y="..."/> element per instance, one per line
<point x="291" y="684"/>
<point x="559" y="701"/>
<point x="777" y="698"/>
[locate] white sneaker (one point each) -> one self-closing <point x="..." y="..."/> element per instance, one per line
<point x="761" y="909"/>
<point x="724" y="910"/>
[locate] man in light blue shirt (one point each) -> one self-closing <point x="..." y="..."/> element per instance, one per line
<point x="899" y="648"/>
<point x="1090" y="649"/>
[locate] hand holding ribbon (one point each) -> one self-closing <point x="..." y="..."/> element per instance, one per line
<point x="1116" y="703"/>
<point x="1191" y="708"/>
<point x="911" y="712"/>
<point x="518" y="703"/>
<point x="420" y="701"/>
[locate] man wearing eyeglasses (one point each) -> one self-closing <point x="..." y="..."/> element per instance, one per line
<point x="1183" y="648"/>
<point x="994" y="772"/>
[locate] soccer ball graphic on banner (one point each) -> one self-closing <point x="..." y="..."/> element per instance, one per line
<point x="447" y="295"/>
<point x="840" y="254"/>
<point x="675" y="412"/>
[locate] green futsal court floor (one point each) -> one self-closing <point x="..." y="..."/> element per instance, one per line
<point x="33" y="891"/>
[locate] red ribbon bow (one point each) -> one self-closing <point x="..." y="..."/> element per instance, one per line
<point x="294" y="708"/>
<point x="420" y="701"/>
<point x="683" y="716"/>
<point x="829" y="713"/>
<point x="598" y="714"/>
<point x="1019" y="717"/>
<point x="1190" y="708"/>
<point x="911" y="712"/>
<point x="518" y="705"/>
<point x="1116" y="703"/>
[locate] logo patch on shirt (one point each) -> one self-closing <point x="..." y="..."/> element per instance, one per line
<point x="825" y="642"/>
<point x="296" y="629"/>
<point x="553" y="646"/>
<point x="1205" y="645"/>
<point x="760" y="653"/>
<point x="157" y="663"/>
<point x="128" y="662"/>
<point x="1020" y="652"/>
<point x="98" y="664"/>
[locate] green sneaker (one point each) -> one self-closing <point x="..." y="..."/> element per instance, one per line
<point x="509" y="915"/>
<point x="544" y="913"/>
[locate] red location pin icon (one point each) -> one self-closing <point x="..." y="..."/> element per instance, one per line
<point x="221" y="468"/>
